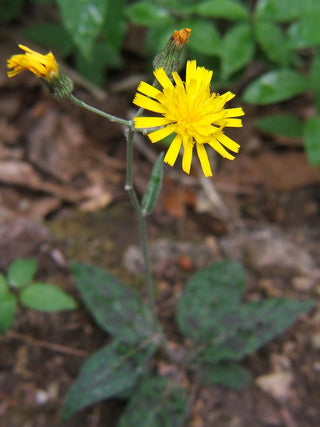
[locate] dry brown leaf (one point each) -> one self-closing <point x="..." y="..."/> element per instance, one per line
<point x="21" y="238"/>
<point x="23" y="175"/>
<point x="286" y="171"/>
<point x="53" y="146"/>
<point x="8" y="133"/>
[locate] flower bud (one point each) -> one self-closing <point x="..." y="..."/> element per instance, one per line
<point x="169" y="57"/>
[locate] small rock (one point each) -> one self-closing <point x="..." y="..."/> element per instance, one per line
<point x="41" y="397"/>
<point x="44" y="396"/>
<point x="276" y="384"/>
<point x="280" y="362"/>
<point x="269" y="252"/>
<point x="315" y="340"/>
<point x="316" y="366"/>
<point x="133" y="260"/>
<point x="268" y="286"/>
<point x="167" y="257"/>
<point x="165" y="369"/>
<point x="302" y="284"/>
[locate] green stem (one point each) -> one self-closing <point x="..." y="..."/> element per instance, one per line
<point x="130" y="189"/>
<point x="110" y="117"/>
<point x="141" y="218"/>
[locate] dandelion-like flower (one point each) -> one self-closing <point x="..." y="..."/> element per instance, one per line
<point x="43" y="66"/>
<point x="191" y="112"/>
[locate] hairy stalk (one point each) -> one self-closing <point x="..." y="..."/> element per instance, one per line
<point x="110" y="117"/>
<point x="141" y="218"/>
<point x="129" y="187"/>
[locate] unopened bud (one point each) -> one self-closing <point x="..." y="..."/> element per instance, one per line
<point x="169" y="57"/>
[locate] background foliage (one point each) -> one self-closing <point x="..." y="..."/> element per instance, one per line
<point x="277" y="41"/>
<point x="20" y="286"/>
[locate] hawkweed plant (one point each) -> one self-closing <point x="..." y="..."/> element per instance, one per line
<point x="188" y="110"/>
<point x="219" y="327"/>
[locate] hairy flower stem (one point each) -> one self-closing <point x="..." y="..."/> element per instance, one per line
<point x="88" y="107"/>
<point x="141" y="218"/>
<point x="132" y="194"/>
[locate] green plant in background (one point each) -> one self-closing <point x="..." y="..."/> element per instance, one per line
<point x="227" y="35"/>
<point x="20" y="286"/>
<point x="211" y="315"/>
<point x="281" y="35"/>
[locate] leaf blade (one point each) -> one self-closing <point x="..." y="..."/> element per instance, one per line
<point x="227" y="9"/>
<point x="259" y="322"/>
<point x="146" y="13"/>
<point x="237" y="49"/>
<point x="273" y="42"/>
<point x="281" y="124"/>
<point x="305" y="32"/>
<point x="157" y="402"/>
<point x="205" y="37"/>
<point x="8" y="306"/>
<point x="3" y="286"/>
<point x="48" y="298"/>
<point x="22" y="271"/>
<point x="83" y="20"/>
<point x="311" y="138"/>
<point x="216" y="289"/>
<point x="116" y="308"/>
<point x="154" y="186"/>
<point x="228" y="374"/>
<point x="275" y="86"/>
<point x="108" y="372"/>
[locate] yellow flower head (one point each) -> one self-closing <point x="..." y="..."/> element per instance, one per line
<point x="43" y="66"/>
<point x="191" y="112"/>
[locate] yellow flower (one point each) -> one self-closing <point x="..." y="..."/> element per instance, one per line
<point x="191" y="112"/>
<point x="43" y="66"/>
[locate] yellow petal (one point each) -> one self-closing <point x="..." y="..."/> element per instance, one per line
<point x="216" y="117"/>
<point x="43" y="66"/>
<point x="235" y="123"/>
<point x="148" y="90"/>
<point x="187" y="157"/>
<point x="234" y="112"/>
<point x="26" y="48"/>
<point x="160" y="134"/>
<point x="226" y="96"/>
<point x="150" y="122"/>
<point x="220" y="149"/>
<point x="162" y="78"/>
<point x="173" y="151"/>
<point x="147" y="103"/>
<point x="203" y="157"/>
<point x="177" y="79"/>
<point x="191" y="69"/>
<point x="228" y="142"/>
<point x="204" y="76"/>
